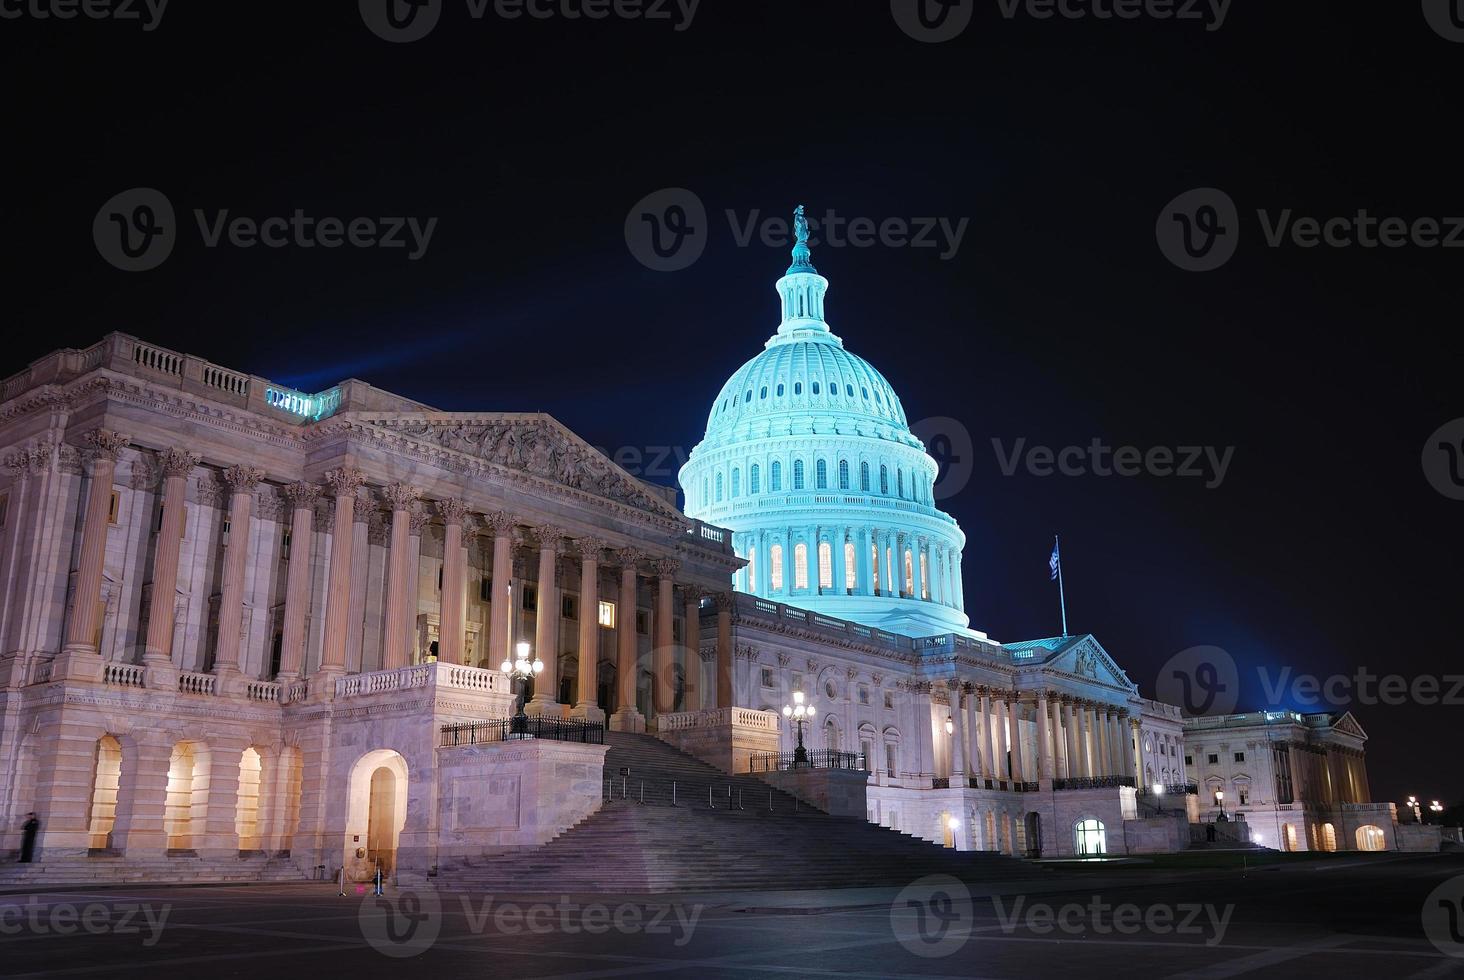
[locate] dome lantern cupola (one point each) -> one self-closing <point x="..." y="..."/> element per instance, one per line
<point x="802" y="290"/>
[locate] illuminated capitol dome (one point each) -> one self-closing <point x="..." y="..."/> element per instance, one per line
<point x="809" y="460"/>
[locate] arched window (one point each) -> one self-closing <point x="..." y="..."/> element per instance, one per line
<point x="815" y="387"/>
<point x="843" y="474"/>
<point x="924" y="576"/>
<point x="749" y="396"/>
<point x="798" y="387"/>
<point x="884" y="480"/>
<point x="849" y="390"/>
<point x="776" y="478"/>
<point x="752" y="569"/>
<point x="706" y="492"/>
<point x="864" y="477"/>
<point x="821" y="474"/>
<point x="763" y="393"/>
<point x="754" y="479"/>
<point x="780" y="390"/>
<point x="850" y="576"/>
<point x="900" y="482"/>
<point x="775" y="567"/>
<point x="909" y="574"/>
<point x="736" y="481"/>
<point x="798" y="474"/>
<point x="719" y="488"/>
<point x="800" y="566"/>
<point x="825" y="565"/>
<point x="1089" y="838"/>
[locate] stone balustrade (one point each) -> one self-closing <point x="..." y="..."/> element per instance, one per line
<point x="123" y="675"/>
<point x="195" y="683"/>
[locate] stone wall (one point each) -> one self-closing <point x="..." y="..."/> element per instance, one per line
<point x="840" y="792"/>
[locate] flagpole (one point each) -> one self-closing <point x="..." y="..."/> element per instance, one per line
<point x="1061" y="599"/>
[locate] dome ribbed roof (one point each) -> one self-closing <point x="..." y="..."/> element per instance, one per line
<point x="802" y="376"/>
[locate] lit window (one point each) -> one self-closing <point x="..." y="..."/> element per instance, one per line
<point x="874" y="564"/>
<point x="775" y="567"/>
<point x="909" y="574"/>
<point x="825" y="565"/>
<point x="800" y="566"/>
<point x="114" y="507"/>
<point x="849" y="572"/>
<point x="752" y="569"/>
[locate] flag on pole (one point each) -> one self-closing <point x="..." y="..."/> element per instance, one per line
<point x="1055" y="561"/>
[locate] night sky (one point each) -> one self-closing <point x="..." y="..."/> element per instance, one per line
<point x="1058" y="320"/>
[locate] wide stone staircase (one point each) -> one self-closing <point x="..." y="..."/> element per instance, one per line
<point x="181" y="869"/>
<point x="700" y="829"/>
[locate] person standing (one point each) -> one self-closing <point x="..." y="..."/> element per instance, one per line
<point x="29" y="829"/>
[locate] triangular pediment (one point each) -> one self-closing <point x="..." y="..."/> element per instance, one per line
<point x="1085" y="657"/>
<point x="1347" y="724"/>
<point x="535" y="444"/>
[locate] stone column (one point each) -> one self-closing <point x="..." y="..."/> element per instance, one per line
<point x="500" y="597"/>
<point x="242" y="481"/>
<point x="725" y="693"/>
<point x="988" y="757"/>
<point x="627" y="717"/>
<point x="175" y="464"/>
<point x="691" y="648"/>
<point x="917" y="551"/>
<point x="924" y="732"/>
<point x="1003" y="739"/>
<point x="297" y="579"/>
<point x="958" y="740"/>
<point x="142" y="795"/>
<point x="546" y="622"/>
<point x="103" y="448"/>
<point x="1044" y="748"/>
<point x="974" y="766"/>
<point x="344" y="483"/>
<point x="863" y="583"/>
<point x="1019" y="767"/>
<point x="587" y="706"/>
<point x="1135" y="747"/>
<point x="1105" y="728"/>
<point x="663" y="690"/>
<point x="220" y="835"/>
<point x="401" y="499"/>
<point x="1115" y="745"/>
<point x="452" y="617"/>
<point x="1059" y="743"/>
<point x="1075" y="756"/>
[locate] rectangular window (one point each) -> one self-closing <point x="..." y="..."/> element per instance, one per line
<point x="889" y="760"/>
<point x="767" y="677"/>
<point x="863" y="694"/>
<point x="114" y="507"/>
<point x="1240" y="757"/>
<point x="676" y="630"/>
<point x="1189" y="760"/>
<point x="866" y="751"/>
<point x="531" y="599"/>
<point x="607" y="614"/>
<point x="1213" y="759"/>
<point x="642" y="622"/>
<point x="850" y="573"/>
<point x="825" y="566"/>
<point x="797" y="681"/>
<point x="485" y="590"/>
<point x="440" y="570"/>
<point x="285" y="549"/>
<point x="4" y="507"/>
<point x="569" y="607"/>
<point x="889" y="701"/>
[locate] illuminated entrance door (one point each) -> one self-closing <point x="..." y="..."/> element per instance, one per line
<point x="1371" y="838"/>
<point x="381" y="824"/>
<point x="1089" y="837"/>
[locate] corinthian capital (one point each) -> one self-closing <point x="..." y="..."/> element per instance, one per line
<point x="500" y="522"/>
<point x="345" y="481"/>
<point x="176" y="462"/>
<point x="452" y="510"/>
<point x="302" y="495"/>
<point x="549" y="536"/>
<point x="105" y="444"/>
<point x="629" y="558"/>
<point x="468" y="532"/>
<point x="589" y="548"/>
<point x="242" y="479"/>
<point x="400" y="496"/>
<point x="417" y="521"/>
<point x="666" y="567"/>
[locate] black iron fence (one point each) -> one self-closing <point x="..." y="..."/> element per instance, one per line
<point x="1006" y="785"/>
<point x="1092" y="782"/>
<point x="1172" y="789"/>
<point x="814" y="759"/>
<point x="555" y="729"/>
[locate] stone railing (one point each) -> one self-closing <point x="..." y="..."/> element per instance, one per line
<point x="41" y="672"/>
<point x="754" y="608"/>
<point x="298" y="691"/>
<point x="262" y="691"/>
<point x="453" y="676"/>
<point x="123" y="675"/>
<point x="744" y="718"/>
<point x="194" y="683"/>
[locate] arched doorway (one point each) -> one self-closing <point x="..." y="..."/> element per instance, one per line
<point x="1328" y="837"/>
<point x="1288" y="837"/>
<point x="1089" y="837"/>
<point x="1033" y="823"/>
<point x="377" y="813"/>
<point x="247" y="808"/>
<point x="106" y="778"/>
<point x="185" y="813"/>
<point x="1371" y="838"/>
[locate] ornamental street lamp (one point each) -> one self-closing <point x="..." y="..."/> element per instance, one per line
<point x="521" y="670"/>
<point x="1159" y="797"/>
<point x="950" y="726"/>
<point x="1220" y="799"/>
<point x="802" y="714"/>
<point x="1413" y="805"/>
<point x="1436" y="808"/>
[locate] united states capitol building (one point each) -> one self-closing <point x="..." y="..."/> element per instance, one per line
<point x="257" y="632"/>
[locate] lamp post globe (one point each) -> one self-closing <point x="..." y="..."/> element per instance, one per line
<point x="520" y="670"/>
<point x="800" y="713"/>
